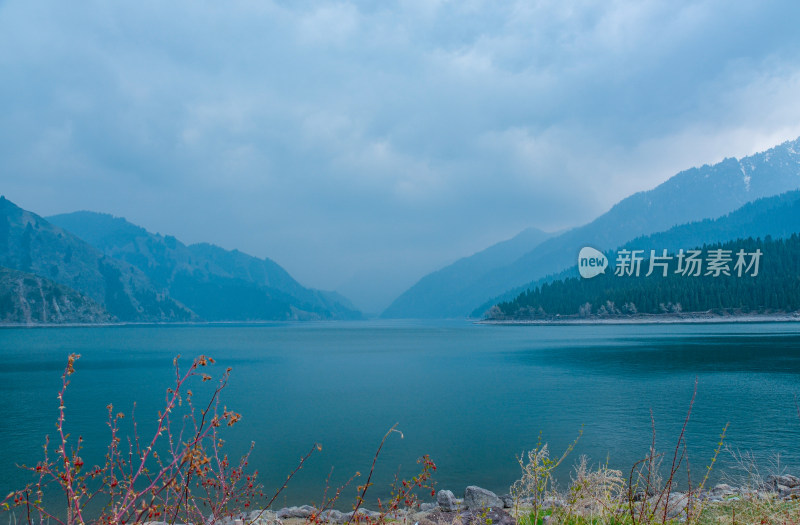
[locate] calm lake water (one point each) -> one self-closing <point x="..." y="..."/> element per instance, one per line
<point x="471" y="396"/>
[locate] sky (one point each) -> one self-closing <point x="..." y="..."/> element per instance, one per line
<point x="362" y="145"/>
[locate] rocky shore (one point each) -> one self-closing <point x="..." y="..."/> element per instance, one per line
<point x="479" y="506"/>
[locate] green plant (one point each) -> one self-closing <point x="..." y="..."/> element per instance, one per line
<point x="537" y="475"/>
<point x="601" y="496"/>
<point x="534" y="519"/>
<point x="595" y="494"/>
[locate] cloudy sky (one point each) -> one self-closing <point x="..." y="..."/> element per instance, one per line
<point x="364" y="144"/>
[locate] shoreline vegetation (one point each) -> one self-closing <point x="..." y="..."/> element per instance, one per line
<point x="667" y="318"/>
<point x="775" y="499"/>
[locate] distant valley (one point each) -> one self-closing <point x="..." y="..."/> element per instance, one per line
<point x="87" y="267"/>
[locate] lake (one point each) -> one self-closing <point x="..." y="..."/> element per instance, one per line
<point x="472" y="396"/>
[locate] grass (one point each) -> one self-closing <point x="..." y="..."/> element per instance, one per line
<point x="743" y="512"/>
<point x="599" y="495"/>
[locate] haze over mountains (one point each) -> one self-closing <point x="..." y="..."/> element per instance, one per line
<point x="777" y="217"/>
<point x="133" y="275"/>
<point x="99" y="267"/>
<point x="695" y="194"/>
<point x="216" y="284"/>
<point x="29" y="243"/>
<point x="462" y="279"/>
<point x="770" y="224"/>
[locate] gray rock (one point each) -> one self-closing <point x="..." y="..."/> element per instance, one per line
<point x="469" y="517"/>
<point x="776" y="482"/>
<point x="296" y="512"/>
<point x="497" y="517"/>
<point x="424" y="507"/>
<point x="333" y="516"/>
<point x="447" y="501"/>
<point x="478" y="498"/>
<point x="723" y="489"/>
<point x="507" y="500"/>
<point x="551" y="502"/>
<point x="780" y="488"/>
<point x="792" y="493"/>
<point x="675" y="503"/>
<point x="255" y="517"/>
<point x="344" y="517"/>
<point x="262" y="517"/>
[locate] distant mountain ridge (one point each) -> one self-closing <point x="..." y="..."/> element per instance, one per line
<point x="777" y="217"/>
<point x="691" y="195"/>
<point x="215" y="283"/>
<point x="31" y="244"/>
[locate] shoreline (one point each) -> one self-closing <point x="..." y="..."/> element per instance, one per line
<point x="170" y="323"/>
<point x="584" y="505"/>
<point x="641" y="319"/>
<point x="644" y="319"/>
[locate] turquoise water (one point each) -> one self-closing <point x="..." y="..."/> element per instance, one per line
<point x="471" y="396"/>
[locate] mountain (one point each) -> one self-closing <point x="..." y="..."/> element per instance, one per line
<point x="777" y="217"/>
<point x="215" y="283"/>
<point x="771" y="287"/>
<point x="29" y="243"/>
<point x="444" y="292"/>
<point x="691" y="195"/>
<point x="26" y="298"/>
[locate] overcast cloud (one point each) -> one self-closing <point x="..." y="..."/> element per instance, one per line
<point x="364" y="144"/>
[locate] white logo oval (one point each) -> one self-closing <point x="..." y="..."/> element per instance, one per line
<point x="591" y="262"/>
